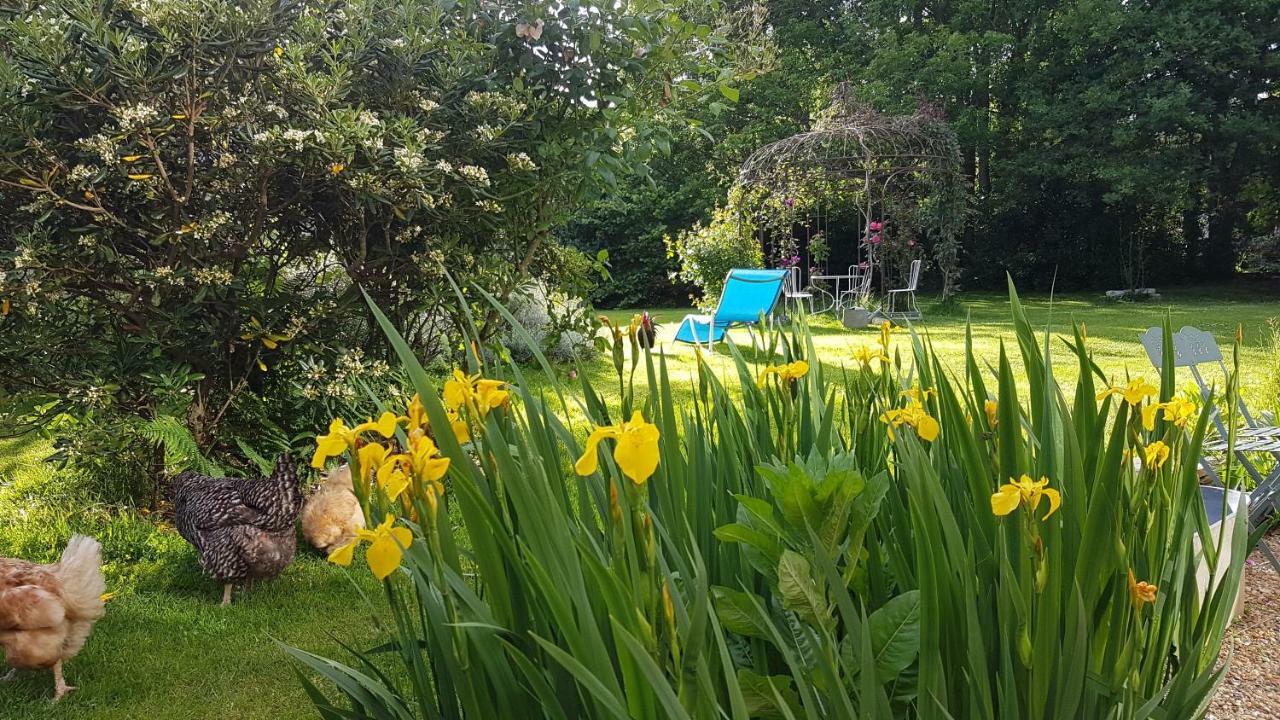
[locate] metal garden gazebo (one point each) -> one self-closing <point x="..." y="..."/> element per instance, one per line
<point x="892" y="183"/>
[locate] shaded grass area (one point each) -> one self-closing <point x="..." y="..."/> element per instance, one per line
<point x="166" y="650"/>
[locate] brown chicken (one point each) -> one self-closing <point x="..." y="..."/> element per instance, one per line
<point x="47" y="611"/>
<point x="332" y="513"/>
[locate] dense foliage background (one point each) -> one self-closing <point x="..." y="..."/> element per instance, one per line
<point x="1108" y="143"/>
<point x="195" y="194"/>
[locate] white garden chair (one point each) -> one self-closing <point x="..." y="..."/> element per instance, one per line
<point x="793" y="294"/>
<point x="902" y="301"/>
<point x="1193" y="347"/>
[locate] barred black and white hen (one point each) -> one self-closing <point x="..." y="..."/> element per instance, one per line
<point x="243" y="530"/>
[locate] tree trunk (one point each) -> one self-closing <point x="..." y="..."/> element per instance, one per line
<point x="1192" y="236"/>
<point x="1220" y="254"/>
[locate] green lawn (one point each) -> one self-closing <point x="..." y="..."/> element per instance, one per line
<point x="166" y="650"/>
<point x="1112" y="329"/>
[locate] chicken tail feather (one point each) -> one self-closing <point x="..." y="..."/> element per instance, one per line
<point x="80" y="578"/>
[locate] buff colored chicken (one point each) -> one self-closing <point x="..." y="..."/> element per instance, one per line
<point x="332" y="513"/>
<point x="47" y="611"/>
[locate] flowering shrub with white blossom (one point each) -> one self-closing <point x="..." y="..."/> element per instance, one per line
<point x="205" y="186"/>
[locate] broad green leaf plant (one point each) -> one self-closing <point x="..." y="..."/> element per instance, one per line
<point x="885" y="537"/>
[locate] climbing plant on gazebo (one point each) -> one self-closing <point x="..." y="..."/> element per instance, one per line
<point x="896" y="176"/>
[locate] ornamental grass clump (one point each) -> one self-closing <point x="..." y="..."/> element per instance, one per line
<point x="802" y="537"/>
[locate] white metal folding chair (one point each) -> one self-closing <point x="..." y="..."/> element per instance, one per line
<point x="858" y="291"/>
<point x="1193" y="347"/>
<point x="793" y="294"/>
<point x="906" y="308"/>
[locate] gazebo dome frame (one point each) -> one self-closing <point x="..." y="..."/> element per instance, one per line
<point x="907" y="165"/>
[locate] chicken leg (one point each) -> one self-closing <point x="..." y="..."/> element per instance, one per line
<point x="10" y="676"/>
<point x="60" y="686"/>
<point x="226" y="594"/>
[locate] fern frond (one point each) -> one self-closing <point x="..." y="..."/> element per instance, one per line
<point x="180" y="449"/>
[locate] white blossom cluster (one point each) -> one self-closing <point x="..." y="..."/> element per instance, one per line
<point x="407" y="160"/>
<point x="164" y="275"/>
<point x="136" y="116"/>
<point x="489" y="206"/>
<point x="212" y="276"/>
<point x="495" y="103"/>
<point x="209" y="226"/>
<point x="521" y="162"/>
<point x="103" y="145"/>
<point x="81" y="172"/>
<point x="408" y="233"/>
<point x="475" y="175"/>
<point x="425" y="104"/>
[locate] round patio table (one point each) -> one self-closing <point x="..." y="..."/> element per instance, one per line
<point x="844" y="285"/>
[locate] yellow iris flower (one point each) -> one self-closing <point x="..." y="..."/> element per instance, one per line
<point x="1155" y="455"/>
<point x="425" y="461"/>
<point x="341" y="438"/>
<point x="636" y="450"/>
<point x="991" y="408"/>
<point x="914" y="415"/>
<point x="867" y="353"/>
<point x="886" y="329"/>
<point x="415" y="413"/>
<point x="1179" y="412"/>
<point x="1024" y="491"/>
<point x="1140" y="593"/>
<point x="789" y="372"/>
<point x="917" y="395"/>
<point x="478" y="393"/>
<point x="1133" y="393"/>
<point x="371" y="456"/>
<point x="386" y="548"/>
<point x="393" y="476"/>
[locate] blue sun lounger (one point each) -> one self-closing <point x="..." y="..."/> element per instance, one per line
<point x="747" y="294"/>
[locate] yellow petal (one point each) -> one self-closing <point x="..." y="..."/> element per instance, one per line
<point x="434" y="469"/>
<point x="385" y="425"/>
<point x="417" y="414"/>
<point x="928" y="428"/>
<point x="461" y="432"/>
<point x="637" y="450"/>
<point x="457" y="390"/>
<point x="1005" y="500"/>
<point x="590" y="460"/>
<point x="392" y="478"/>
<point x="1149" y="417"/>
<point x="371" y="456"/>
<point x="402" y="535"/>
<point x="343" y="555"/>
<point x="797" y="369"/>
<point x="1055" y="501"/>
<point x="331" y="445"/>
<point x="384" y="554"/>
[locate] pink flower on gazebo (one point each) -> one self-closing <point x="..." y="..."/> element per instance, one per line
<point x="877" y="226"/>
<point x="875" y="239"/>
